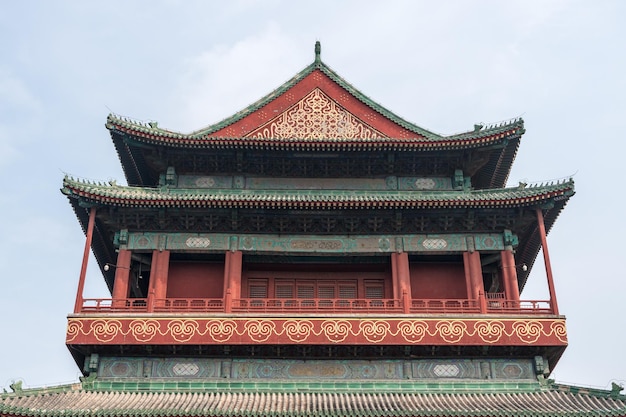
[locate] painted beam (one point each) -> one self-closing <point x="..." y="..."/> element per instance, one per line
<point x="262" y="243"/>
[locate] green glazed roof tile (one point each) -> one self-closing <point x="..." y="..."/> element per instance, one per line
<point x="150" y="132"/>
<point x="159" y="197"/>
<point x="410" y="399"/>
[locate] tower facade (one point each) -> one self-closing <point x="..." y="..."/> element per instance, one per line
<point x="317" y="252"/>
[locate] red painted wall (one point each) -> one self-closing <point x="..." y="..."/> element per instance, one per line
<point x="435" y="281"/>
<point x="195" y="280"/>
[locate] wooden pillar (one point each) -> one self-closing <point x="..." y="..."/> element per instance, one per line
<point x="394" y="277"/>
<point x="474" y="278"/>
<point x="468" y="275"/>
<point x="404" y="275"/>
<point x="546" y="260"/>
<point x="228" y="296"/>
<point x="236" y="264"/>
<point x="233" y="264"/>
<point x="157" y="289"/>
<point x="509" y="275"/>
<point x="83" y="269"/>
<point x="401" y="278"/>
<point x="121" y="285"/>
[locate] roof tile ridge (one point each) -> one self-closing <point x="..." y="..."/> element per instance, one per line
<point x="43" y="390"/>
<point x="256" y="105"/>
<point x="490" y="129"/>
<point x="557" y="184"/>
<point x="152" y="126"/>
<point x="549" y="185"/>
<point x="363" y="98"/>
<point x="70" y="180"/>
<point x="591" y="391"/>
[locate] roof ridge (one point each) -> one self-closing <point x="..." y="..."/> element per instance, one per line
<point x="615" y="392"/>
<point x="317" y="64"/>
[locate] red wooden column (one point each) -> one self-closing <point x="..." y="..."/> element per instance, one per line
<point x="121" y="285"/>
<point x="228" y="296"/>
<point x="546" y="260"/>
<point x="232" y="278"/>
<point x="468" y="276"/>
<point x="157" y="289"/>
<point x="474" y="278"/>
<point x="234" y="272"/>
<point x="509" y="275"/>
<point x="395" y="285"/>
<point x="83" y="269"/>
<point x="401" y="278"/>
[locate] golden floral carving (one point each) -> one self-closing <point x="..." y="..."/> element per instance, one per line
<point x="413" y="331"/>
<point x="221" y="330"/>
<point x="336" y="330"/>
<point x="260" y="330"/>
<point x="144" y="330"/>
<point x="132" y="330"/>
<point x="489" y="331"/>
<point x="374" y="330"/>
<point x="105" y="330"/>
<point x="316" y="116"/>
<point x="452" y="331"/>
<point x="528" y="331"/>
<point x="74" y="327"/>
<point x="298" y="330"/>
<point x="182" y="330"/>
<point x="559" y="330"/>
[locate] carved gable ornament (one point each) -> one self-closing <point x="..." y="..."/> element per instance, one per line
<point x="315" y="117"/>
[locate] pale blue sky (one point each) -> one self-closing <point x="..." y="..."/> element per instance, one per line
<point x="445" y="65"/>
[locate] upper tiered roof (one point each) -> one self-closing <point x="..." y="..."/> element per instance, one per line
<point x="317" y="111"/>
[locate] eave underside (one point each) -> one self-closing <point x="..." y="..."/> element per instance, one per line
<point x="487" y="166"/>
<point x="341" y="352"/>
<point x="521" y="221"/>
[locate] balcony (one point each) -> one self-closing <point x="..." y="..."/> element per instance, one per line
<point x="491" y="321"/>
<point x="493" y="303"/>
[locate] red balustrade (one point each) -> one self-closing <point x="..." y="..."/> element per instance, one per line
<point x="496" y="304"/>
<point x="317" y="305"/>
<point x="108" y="304"/>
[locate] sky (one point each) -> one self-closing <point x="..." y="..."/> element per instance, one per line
<point x="444" y="65"/>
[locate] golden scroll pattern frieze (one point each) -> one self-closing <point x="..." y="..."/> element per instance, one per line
<point x="316" y="116"/>
<point x="316" y="331"/>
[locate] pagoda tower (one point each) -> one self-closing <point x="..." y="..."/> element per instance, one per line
<point x="315" y="253"/>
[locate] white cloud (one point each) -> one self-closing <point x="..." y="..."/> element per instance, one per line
<point x="225" y="79"/>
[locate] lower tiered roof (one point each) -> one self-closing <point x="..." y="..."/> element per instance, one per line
<point x="123" y="196"/>
<point x="252" y="399"/>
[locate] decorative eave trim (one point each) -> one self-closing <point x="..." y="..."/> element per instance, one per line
<point x="121" y="196"/>
<point x="150" y="135"/>
<point x="145" y="135"/>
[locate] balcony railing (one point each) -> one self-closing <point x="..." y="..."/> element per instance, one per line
<point x="493" y="304"/>
<point x="189" y="304"/>
<point x="317" y="305"/>
<point x="445" y="306"/>
<point x="108" y="304"/>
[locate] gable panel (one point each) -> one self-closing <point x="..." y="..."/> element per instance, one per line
<point x="316" y="80"/>
<point x="316" y="116"/>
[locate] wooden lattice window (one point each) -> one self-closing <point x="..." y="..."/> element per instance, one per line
<point x="374" y="290"/>
<point x="306" y="290"/>
<point x="284" y="290"/>
<point x="347" y="291"/>
<point x="257" y="288"/>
